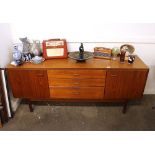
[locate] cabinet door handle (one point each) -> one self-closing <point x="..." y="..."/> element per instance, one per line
<point x="40" y="75"/>
<point x="113" y="75"/>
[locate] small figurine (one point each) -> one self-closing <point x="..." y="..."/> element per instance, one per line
<point x="81" y="49"/>
<point x="27" y="56"/>
<point x="17" y="57"/>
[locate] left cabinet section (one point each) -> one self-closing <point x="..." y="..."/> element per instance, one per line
<point x="30" y="84"/>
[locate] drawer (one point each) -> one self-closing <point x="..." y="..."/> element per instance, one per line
<point x="76" y="73"/>
<point x="76" y="82"/>
<point x="77" y="93"/>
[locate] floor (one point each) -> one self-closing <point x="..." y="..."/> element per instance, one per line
<point x="51" y="116"/>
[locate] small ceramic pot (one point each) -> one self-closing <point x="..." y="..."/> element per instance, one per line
<point x="131" y="59"/>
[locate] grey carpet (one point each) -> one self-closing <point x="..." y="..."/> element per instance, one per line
<point x="66" y="117"/>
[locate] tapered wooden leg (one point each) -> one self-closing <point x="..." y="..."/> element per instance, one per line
<point x="125" y="107"/>
<point x="0" y="124"/>
<point x="0" y="118"/>
<point x="31" y="107"/>
<point x="153" y="107"/>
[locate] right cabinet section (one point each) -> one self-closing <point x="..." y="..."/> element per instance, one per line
<point x="125" y="84"/>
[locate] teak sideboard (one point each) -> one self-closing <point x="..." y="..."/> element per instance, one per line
<point x="97" y="80"/>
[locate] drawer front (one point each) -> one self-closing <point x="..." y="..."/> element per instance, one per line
<point x="77" y="93"/>
<point x="77" y="82"/>
<point x="76" y="74"/>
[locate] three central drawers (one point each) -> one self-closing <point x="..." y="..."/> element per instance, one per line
<point x="76" y="84"/>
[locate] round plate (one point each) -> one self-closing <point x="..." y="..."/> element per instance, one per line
<point x="128" y="48"/>
<point x="76" y="55"/>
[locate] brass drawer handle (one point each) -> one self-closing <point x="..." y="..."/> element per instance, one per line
<point x="76" y="74"/>
<point x="76" y="83"/>
<point x="76" y="87"/>
<point x="75" y="93"/>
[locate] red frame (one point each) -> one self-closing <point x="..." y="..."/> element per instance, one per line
<point x="65" y="55"/>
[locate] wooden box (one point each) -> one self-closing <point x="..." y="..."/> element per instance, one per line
<point x="102" y="52"/>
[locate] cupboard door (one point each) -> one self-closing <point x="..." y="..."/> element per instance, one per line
<point x="32" y="84"/>
<point x="20" y="83"/>
<point x="125" y="84"/>
<point x="136" y="86"/>
<point x="39" y="83"/>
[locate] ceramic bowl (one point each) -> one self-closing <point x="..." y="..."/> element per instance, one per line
<point x="37" y="60"/>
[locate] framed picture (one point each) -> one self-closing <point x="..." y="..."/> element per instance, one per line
<point x="54" y="48"/>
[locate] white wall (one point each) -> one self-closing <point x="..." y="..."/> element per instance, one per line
<point x="5" y="54"/>
<point x="94" y="32"/>
<point x="5" y="44"/>
<point x="95" y="22"/>
<point x="141" y="35"/>
<point x="86" y="21"/>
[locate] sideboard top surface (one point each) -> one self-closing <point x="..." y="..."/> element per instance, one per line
<point x="93" y="63"/>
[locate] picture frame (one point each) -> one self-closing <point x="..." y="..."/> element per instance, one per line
<point x="55" y="48"/>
